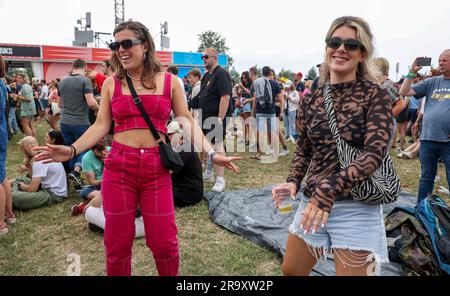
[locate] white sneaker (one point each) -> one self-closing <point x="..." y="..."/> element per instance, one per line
<point x="408" y="154"/>
<point x="400" y="155"/>
<point x="3" y="229"/>
<point x="292" y="140"/>
<point x="443" y="190"/>
<point x="284" y="152"/>
<point x="219" y="186"/>
<point x="208" y="176"/>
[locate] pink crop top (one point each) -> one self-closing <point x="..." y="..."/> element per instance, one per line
<point x="127" y="116"/>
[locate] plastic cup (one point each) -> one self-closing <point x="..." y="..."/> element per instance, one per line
<point x="282" y="194"/>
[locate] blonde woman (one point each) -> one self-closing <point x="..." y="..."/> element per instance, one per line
<point x="383" y="78"/>
<point x="27" y="105"/>
<point x="308" y="86"/>
<point x="328" y="219"/>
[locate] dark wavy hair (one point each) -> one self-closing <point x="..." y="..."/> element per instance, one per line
<point x="151" y="63"/>
<point x="57" y="137"/>
<point x="245" y="74"/>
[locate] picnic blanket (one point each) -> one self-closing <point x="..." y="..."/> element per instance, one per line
<point x="252" y="214"/>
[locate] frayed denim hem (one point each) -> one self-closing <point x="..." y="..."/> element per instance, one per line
<point x="318" y="251"/>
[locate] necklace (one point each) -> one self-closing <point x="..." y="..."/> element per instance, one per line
<point x="343" y="95"/>
<point x="133" y="78"/>
<point x="139" y="87"/>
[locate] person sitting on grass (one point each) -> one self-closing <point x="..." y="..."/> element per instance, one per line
<point x="187" y="184"/>
<point x="47" y="185"/>
<point x="93" y="213"/>
<point x="92" y="164"/>
<point x="411" y="152"/>
<point x="55" y="137"/>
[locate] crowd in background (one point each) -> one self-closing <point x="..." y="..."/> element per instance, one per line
<point x="260" y="127"/>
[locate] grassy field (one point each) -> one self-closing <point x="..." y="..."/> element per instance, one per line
<point x="42" y="240"/>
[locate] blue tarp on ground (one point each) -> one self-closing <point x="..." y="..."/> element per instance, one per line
<point x="252" y="214"/>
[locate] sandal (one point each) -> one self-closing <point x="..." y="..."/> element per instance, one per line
<point x="255" y="157"/>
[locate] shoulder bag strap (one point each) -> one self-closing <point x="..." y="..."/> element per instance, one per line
<point x="138" y="103"/>
<point x="332" y="121"/>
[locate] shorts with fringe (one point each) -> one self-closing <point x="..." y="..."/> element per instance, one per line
<point x="352" y="225"/>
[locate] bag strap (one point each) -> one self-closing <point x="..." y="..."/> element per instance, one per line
<point x="268" y="88"/>
<point x="147" y="119"/>
<point x="332" y="121"/>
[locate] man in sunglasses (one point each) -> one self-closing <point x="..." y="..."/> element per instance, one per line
<point x="215" y="93"/>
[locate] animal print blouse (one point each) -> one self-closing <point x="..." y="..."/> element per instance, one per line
<point x="364" y="114"/>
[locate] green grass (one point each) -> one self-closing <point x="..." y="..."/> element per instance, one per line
<point x="41" y="240"/>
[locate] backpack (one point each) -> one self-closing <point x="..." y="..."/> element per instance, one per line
<point x="410" y="244"/>
<point x="435" y="215"/>
<point x="419" y="238"/>
<point x="265" y="99"/>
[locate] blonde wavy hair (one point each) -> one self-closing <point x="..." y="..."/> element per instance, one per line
<point x="367" y="69"/>
<point x="382" y="65"/>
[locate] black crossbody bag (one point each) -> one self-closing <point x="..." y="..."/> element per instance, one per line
<point x="171" y="160"/>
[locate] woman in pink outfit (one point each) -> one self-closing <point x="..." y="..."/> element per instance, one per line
<point x="133" y="172"/>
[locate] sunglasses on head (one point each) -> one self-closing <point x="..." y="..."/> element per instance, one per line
<point x="127" y="43"/>
<point x="349" y="44"/>
<point x="205" y="57"/>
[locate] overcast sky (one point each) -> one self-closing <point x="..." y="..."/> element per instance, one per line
<point x="282" y="34"/>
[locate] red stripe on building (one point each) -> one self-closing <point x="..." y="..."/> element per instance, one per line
<point x="101" y="54"/>
<point x="66" y="53"/>
<point x="165" y="57"/>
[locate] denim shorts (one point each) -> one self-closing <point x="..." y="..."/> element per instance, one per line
<point x="352" y="225"/>
<point x="247" y="108"/>
<point x="87" y="190"/>
<point x="263" y="121"/>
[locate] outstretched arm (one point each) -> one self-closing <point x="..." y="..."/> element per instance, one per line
<point x="96" y="132"/>
<point x="193" y="130"/>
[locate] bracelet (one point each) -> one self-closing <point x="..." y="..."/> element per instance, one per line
<point x="211" y="154"/>
<point x="411" y="75"/>
<point x="73" y="152"/>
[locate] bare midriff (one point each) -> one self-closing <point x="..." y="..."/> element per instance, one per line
<point x="137" y="138"/>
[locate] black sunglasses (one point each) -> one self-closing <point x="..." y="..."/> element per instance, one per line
<point x="127" y="43"/>
<point x="349" y="44"/>
<point x="205" y="57"/>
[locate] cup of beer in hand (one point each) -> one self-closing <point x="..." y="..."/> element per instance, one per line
<point x="281" y="193"/>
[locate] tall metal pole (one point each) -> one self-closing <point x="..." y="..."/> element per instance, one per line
<point x="119" y="9"/>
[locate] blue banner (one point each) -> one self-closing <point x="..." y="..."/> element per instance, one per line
<point x="194" y="59"/>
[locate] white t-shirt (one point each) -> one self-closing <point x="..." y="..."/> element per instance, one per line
<point x="195" y="89"/>
<point x="294" y="99"/>
<point x="44" y="92"/>
<point x="53" y="177"/>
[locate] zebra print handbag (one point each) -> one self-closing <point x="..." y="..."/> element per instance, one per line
<point x="383" y="186"/>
